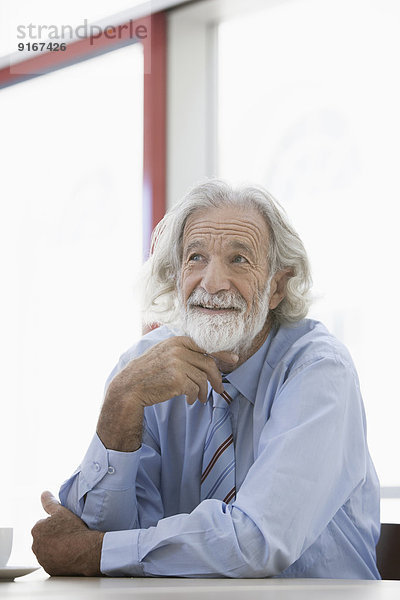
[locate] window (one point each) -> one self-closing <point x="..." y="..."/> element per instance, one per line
<point x="72" y="237"/>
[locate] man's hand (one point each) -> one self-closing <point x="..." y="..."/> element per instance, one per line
<point x="170" y="368"/>
<point x="174" y="367"/>
<point x="63" y="544"/>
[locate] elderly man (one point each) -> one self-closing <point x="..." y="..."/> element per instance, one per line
<point x="232" y="440"/>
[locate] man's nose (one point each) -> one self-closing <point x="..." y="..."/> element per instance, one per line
<point x="215" y="277"/>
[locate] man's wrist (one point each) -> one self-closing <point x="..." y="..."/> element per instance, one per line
<point x="120" y="424"/>
<point x="91" y="567"/>
<point x="119" y="442"/>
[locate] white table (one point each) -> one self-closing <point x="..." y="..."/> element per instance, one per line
<point x="37" y="586"/>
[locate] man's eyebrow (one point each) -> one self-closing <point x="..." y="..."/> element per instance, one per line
<point x="236" y="245"/>
<point x="194" y="245"/>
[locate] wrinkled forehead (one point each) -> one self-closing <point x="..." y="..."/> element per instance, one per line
<point x="228" y="225"/>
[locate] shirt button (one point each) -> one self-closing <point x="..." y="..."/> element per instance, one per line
<point x="111" y="470"/>
<point x="96" y="466"/>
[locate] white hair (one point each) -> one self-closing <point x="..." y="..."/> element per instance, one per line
<point x="286" y="251"/>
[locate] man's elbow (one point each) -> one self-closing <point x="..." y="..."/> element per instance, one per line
<point x="253" y="548"/>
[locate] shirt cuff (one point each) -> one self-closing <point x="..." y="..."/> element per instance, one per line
<point x="120" y="554"/>
<point x="115" y="470"/>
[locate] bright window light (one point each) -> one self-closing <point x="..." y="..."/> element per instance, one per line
<point x="71" y="237"/>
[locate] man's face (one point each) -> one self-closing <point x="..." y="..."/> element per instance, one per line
<point x="223" y="283"/>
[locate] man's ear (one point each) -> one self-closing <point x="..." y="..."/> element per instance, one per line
<point x="278" y="286"/>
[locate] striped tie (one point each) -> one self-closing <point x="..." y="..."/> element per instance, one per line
<point x="218" y="471"/>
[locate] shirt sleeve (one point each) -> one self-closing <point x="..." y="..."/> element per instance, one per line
<point x="113" y="490"/>
<point x="309" y="459"/>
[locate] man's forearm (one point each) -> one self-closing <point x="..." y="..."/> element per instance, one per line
<point x="120" y="424"/>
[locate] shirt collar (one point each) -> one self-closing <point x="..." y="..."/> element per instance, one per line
<point x="245" y="378"/>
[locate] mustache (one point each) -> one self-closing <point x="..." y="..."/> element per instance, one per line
<point x="223" y="299"/>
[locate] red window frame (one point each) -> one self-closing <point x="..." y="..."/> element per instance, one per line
<point x="154" y="109"/>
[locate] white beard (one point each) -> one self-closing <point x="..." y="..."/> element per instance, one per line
<point x="233" y="331"/>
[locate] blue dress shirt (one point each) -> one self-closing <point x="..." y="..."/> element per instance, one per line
<point x="308" y="496"/>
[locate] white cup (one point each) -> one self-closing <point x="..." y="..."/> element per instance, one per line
<point x="6" y="540"/>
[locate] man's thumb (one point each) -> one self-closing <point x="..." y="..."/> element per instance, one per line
<point x="50" y="503"/>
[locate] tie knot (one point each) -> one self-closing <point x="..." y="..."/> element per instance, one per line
<point x="226" y="398"/>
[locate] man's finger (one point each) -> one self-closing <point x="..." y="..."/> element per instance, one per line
<point x="224" y="355"/>
<point x="229" y="358"/>
<point x="50" y="503"/>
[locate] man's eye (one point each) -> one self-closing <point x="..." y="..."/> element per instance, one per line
<point x="195" y="257"/>
<point x="240" y="259"/>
